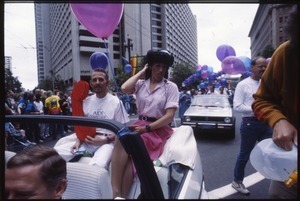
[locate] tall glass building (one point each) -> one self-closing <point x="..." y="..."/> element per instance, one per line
<point x="64" y="46"/>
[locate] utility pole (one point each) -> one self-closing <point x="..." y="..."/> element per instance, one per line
<point x="129" y="46"/>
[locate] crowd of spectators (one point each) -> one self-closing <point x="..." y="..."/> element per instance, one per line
<point x="34" y="103"/>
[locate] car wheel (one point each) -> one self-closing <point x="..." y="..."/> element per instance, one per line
<point x="231" y="134"/>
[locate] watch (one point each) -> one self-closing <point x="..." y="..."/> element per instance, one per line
<point x="148" y="128"/>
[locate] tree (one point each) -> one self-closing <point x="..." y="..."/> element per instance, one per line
<point x="50" y="84"/>
<point x="11" y="82"/>
<point x="181" y="72"/>
<point x="268" y="51"/>
<point x="46" y="84"/>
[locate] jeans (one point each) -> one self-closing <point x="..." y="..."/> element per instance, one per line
<point x="252" y="131"/>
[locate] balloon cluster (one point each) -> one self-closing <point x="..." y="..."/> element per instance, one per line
<point x="205" y="75"/>
<point x="230" y="63"/>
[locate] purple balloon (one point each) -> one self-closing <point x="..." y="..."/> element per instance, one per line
<point x="204" y="67"/>
<point x="233" y="66"/>
<point x="224" y="51"/>
<point x="268" y="60"/>
<point x="100" y="19"/>
<point x="98" y="60"/>
<point x="204" y="74"/>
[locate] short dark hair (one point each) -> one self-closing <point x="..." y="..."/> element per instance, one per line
<point x="53" y="166"/>
<point x="253" y="61"/>
<point x="101" y="70"/>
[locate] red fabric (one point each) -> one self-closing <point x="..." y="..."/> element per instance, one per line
<point x="79" y="93"/>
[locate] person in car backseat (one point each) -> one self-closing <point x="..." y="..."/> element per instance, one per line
<point x="157" y="101"/>
<point x="97" y="142"/>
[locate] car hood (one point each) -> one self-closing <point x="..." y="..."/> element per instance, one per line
<point x="208" y="111"/>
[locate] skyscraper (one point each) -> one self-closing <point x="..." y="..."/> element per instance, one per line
<point x="268" y="27"/>
<point x="64" y="46"/>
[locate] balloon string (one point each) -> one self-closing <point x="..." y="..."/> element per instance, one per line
<point x="114" y="78"/>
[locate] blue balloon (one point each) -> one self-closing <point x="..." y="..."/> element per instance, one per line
<point x="217" y="84"/>
<point x="210" y="69"/>
<point x="98" y="60"/>
<point x="128" y="68"/>
<point x="246" y="61"/>
<point x="201" y="85"/>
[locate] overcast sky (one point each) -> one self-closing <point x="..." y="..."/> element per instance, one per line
<point x="217" y="24"/>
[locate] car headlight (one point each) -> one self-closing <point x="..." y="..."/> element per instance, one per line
<point x="227" y="120"/>
<point x="187" y="118"/>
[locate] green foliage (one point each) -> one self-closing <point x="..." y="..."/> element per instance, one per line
<point x="121" y="76"/>
<point x="181" y="72"/>
<point x="50" y="84"/>
<point x="268" y="51"/>
<point x="11" y="82"/>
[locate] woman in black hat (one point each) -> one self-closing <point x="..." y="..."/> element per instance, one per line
<point x="157" y="102"/>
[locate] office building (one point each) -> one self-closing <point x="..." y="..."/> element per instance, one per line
<point x="8" y="62"/>
<point x="64" y="46"/>
<point x="268" y="27"/>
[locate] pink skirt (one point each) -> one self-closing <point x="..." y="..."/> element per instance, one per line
<point x="155" y="140"/>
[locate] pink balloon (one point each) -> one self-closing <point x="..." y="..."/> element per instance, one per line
<point x="198" y="67"/>
<point x="99" y="19"/>
<point x="233" y="65"/>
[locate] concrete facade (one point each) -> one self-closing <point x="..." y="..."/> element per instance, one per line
<point x="64" y="46"/>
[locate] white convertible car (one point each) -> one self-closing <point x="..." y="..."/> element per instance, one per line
<point x="177" y="174"/>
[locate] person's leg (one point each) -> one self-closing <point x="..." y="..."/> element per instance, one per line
<point x="127" y="179"/>
<point x="42" y="131"/>
<point x="102" y="156"/>
<point x="119" y="161"/>
<point x="248" y="141"/>
<point x="64" y="150"/>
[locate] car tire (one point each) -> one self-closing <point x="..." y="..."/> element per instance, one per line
<point x="231" y="134"/>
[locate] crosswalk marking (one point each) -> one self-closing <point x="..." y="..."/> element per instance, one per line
<point x="227" y="190"/>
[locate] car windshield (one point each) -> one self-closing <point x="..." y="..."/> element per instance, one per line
<point x="210" y="101"/>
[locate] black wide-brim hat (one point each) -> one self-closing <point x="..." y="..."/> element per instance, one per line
<point x="159" y="56"/>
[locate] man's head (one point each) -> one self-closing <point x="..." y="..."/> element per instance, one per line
<point x="99" y="82"/>
<point x="38" y="172"/>
<point x="258" y="67"/>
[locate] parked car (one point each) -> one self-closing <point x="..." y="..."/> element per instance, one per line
<point x="210" y="113"/>
<point x="171" y="176"/>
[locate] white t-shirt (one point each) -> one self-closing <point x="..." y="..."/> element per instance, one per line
<point x="39" y="105"/>
<point x="109" y="107"/>
<point x="243" y="98"/>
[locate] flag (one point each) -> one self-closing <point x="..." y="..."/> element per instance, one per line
<point x="124" y="61"/>
<point x="133" y="62"/>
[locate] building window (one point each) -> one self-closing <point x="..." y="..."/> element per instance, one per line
<point x="280" y="29"/>
<point x="280" y="39"/>
<point x="116" y="56"/>
<point x="280" y="19"/>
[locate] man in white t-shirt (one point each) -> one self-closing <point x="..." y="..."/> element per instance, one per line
<point x="99" y="105"/>
<point x="251" y="129"/>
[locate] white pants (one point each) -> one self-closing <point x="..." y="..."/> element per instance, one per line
<point x="102" y="154"/>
